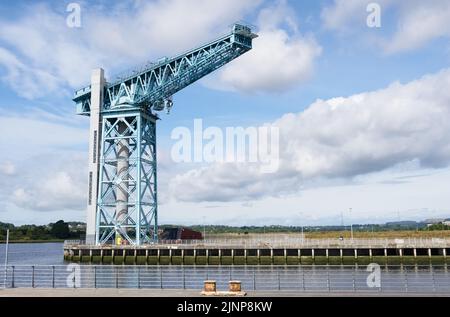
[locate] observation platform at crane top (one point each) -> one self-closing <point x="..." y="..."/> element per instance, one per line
<point x="265" y="251"/>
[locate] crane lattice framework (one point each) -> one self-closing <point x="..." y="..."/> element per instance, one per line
<point x="122" y="194"/>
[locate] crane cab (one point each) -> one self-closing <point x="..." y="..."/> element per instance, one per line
<point x="242" y="34"/>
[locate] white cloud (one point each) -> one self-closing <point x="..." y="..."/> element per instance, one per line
<point x="7" y="168"/>
<point x="22" y="137"/>
<point x="41" y="54"/>
<point x="43" y="163"/>
<point x="417" y="22"/>
<point x="54" y="190"/>
<point x="337" y="15"/>
<point x="281" y="57"/>
<point x="340" y="138"/>
<point x="27" y="81"/>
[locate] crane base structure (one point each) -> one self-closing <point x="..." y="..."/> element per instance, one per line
<point x="122" y="195"/>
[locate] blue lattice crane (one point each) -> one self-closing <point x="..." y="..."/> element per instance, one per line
<point x="122" y="194"/>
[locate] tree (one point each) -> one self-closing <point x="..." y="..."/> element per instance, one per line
<point x="60" y="230"/>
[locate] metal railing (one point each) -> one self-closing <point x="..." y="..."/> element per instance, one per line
<point x="392" y="279"/>
<point x="290" y="242"/>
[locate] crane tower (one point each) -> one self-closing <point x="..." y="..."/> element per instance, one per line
<point x="122" y="190"/>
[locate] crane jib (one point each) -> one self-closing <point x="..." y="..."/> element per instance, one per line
<point x="154" y="86"/>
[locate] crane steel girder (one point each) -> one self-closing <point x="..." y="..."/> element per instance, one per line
<point x="122" y="195"/>
<point x="153" y="86"/>
<point x="134" y="219"/>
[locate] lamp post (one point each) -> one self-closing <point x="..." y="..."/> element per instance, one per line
<point x="301" y="225"/>
<point x="204" y="229"/>
<point x="351" y="226"/>
<point x="6" y="256"/>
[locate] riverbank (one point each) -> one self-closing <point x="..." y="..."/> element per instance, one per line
<point x="393" y="234"/>
<point x="118" y="293"/>
<point x="33" y="241"/>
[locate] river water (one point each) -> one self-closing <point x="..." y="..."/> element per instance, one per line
<point x="33" y="254"/>
<point x="42" y="265"/>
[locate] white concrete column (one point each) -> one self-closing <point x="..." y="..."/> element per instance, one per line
<point x="97" y="86"/>
<point x="123" y="154"/>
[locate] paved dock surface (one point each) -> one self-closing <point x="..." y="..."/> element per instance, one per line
<point x="30" y="292"/>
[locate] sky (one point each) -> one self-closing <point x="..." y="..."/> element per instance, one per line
<point x="362" y="107"/>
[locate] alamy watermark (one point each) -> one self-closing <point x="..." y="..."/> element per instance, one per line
<point x="374" y="17"/>
<point x="374" y="278"/>
<point x="73" y="19"/>
<point x="73" y="280"/>
<point x="258" y="145"/>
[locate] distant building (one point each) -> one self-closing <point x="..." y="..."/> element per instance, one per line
<point x="434" y="221"/>
<point x="179" y="233"/>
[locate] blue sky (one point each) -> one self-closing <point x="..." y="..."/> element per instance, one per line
<point x="366" y="105"/>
